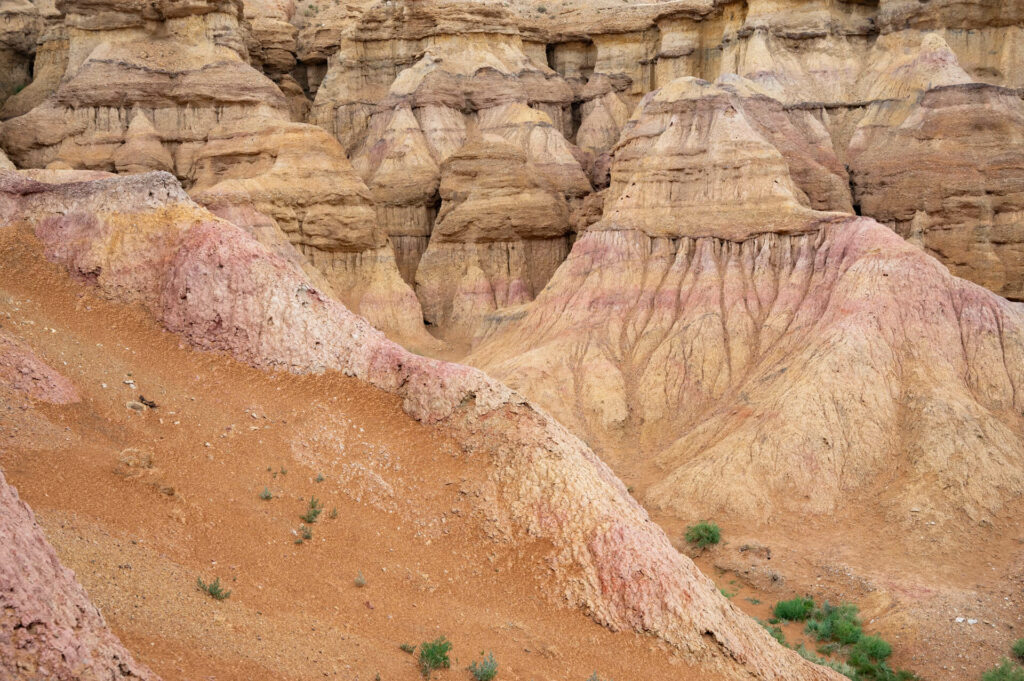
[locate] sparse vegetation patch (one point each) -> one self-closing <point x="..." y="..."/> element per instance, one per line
<point x="434" y="656"/>
<point x="313" y="512"/>
<point x="838" y="623"/>
<point x="1006" y="671"/>
<point x="214" y="588"/>
<point x="703" y="534"/>
<point x="484" y="670"/>
<point x="794" y="610"/>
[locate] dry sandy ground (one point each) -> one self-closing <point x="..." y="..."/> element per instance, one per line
<point x="140" y="504"/>
<point x="910" y="588"/>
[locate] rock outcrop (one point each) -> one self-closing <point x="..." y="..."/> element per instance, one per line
<point x="762" y="347"/>
<point x="955" y="187"/>
<point x="499" y="236"/>
<point x="49" y="64"/>
<point x="220" y="289"/>
<point x="296" y="180"/>
<point x="856" y="67"/>
<point x="454" y="80"/>
<point x="23" y="371"/>
<point x="20" y="24"/>
<point x="987" y="36"/>
<point x="181" y="66"/>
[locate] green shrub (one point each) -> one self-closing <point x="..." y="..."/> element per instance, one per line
<point x="835" y="623"/>
<point x="407" y="648"/>
<point x="1018" y="648"/>
<point x="1006" y="671"/>
<point x="595" y="677"/>
<point x="794" y="610"/>
<point x="873" y="648"/>
<point x="213" y="588"/>
<point x="360" y="580"/>
<point x="434" y="655"/>
<point x="265" y="495"/>
<point x="315" y="509"/>
<point x="486" y="669"/>
<point x="775" y="631"/>
<point x="703" y="534"/>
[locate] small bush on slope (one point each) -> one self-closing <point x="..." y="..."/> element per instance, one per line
<point x="486" y="669"/>
<point x="835" y="623"/>
<point x="1018" y="648"/>
<point x="703" y="534"/>
<point x="794" y="610"/>
<point x="213" y="588"/>
<point x="775" y="631"/>
<point x="315" y="509"/>
<point x="1006" y="671"/>
<point x="434" y="655"/>
<point x="872" y="648"/>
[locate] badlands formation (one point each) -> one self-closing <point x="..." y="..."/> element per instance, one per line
<point x="750" y="261"/>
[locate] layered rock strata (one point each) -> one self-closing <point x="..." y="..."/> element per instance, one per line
<point x="182" y="67"/>
<point x="417" y="90"/>
<point x="854" y="66"/>
<point x="291" y="183"/>
<point x="955" y="187"/>
<point x="220" y="289"/>
<point x="754" y="346"/>
<point x="20" y="25"/>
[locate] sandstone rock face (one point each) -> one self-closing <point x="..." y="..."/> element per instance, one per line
<point x="166" y="87"/>
<point x="220" y="289"/>
<point x="273" y="36"/>
<point x="420" y="90"/>
<point x="864" y="71"/>
<point x="954" y="188"/>
<point x="5" y="163"/>
<point x="320" y="35"/>
<point x="142" y="150"/>
<point x="50" y="62"/>
<point x="724" y="159"/>
<point x="768" y="350"/>
<point x="987" y="36"/>
<point x="181" y="65"/>
<point x="296" y="183"/>
<point x="498" y="238"/>
<point x="19" y="27"/>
